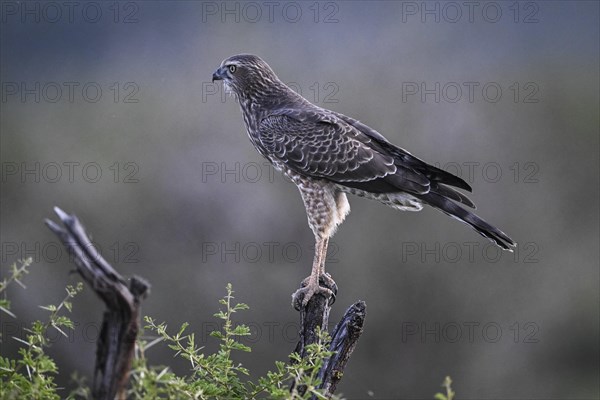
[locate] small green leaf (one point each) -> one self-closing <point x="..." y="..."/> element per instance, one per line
<point x="183" y="328"/>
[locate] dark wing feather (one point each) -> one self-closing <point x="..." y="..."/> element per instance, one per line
<point x="402" y="156"/>
<point x="320" y="145"/>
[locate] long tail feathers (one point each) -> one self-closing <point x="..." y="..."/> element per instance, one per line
<point x="452" y="209"/>
<point x="453" y="194"/>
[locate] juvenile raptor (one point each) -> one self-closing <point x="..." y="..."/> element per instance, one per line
<point x="327" y="154"/>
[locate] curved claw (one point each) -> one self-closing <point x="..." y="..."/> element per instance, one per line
<point x="327" y="281"/>
<point x="326" y="287"/>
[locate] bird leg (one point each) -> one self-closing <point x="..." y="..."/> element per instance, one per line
<point x="310" y="285"/>
<point x="324" y="276"/>
<point x="323" y="256"/>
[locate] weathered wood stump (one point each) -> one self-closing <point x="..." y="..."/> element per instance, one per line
<point x="344" y="337"/>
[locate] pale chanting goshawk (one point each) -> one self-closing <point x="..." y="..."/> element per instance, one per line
<point x="327" y="154"/>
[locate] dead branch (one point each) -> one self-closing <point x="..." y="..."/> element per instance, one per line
<point x="120" y="325"/>
<point x="343" y="339"/>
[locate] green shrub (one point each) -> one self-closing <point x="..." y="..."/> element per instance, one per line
<point x="212" y="376"/>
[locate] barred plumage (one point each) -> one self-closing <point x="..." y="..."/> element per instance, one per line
<point x="327" y="154"/>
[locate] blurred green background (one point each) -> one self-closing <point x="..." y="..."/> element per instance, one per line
<point x="108" y="112"/>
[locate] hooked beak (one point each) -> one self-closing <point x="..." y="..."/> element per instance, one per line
<point x="218" y="75"/>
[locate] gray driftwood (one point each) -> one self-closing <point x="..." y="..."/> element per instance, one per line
<point x="120" y="325"/>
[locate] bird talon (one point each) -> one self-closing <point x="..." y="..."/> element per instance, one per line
<point x="326" y="287"/>
<point x="327" y="281"/>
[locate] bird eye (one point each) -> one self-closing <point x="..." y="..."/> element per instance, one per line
<point x="232" y="68"/>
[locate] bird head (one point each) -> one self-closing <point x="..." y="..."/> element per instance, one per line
<point x="245" y="75"/>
